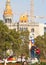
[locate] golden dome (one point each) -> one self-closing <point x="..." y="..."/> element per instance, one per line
<point x="8" y="10"/>
<point x="23" y="18"/>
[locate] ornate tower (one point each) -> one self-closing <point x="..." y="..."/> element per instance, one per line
<point x="8" y="13"/>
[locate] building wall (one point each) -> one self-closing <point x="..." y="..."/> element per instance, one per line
<point x="45" y="27"/>
<point x="12" y="25"/>
<point x="37" y="27"/>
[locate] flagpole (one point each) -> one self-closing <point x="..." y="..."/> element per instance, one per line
<point x="30" y="45"/>
<point x="31" y="42"/>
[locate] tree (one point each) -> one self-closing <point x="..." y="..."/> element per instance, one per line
<point x="40" y="41"/>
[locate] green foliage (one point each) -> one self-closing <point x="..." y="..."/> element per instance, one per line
<point x="18" y="41"/>
<point x="40" y="41"/>
<point x="12" y="39"/>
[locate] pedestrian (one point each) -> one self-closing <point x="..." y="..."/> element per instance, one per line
<point x="33" y="52"/>
<point x="38" y="54"/>
<point x="25" y="63"/>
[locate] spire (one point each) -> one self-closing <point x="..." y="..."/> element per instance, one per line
<point x="7" y="16"/>
<point x="8" y="0"/>
<point x="8" y="10"/>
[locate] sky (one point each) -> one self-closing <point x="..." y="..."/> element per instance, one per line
<point x="20" y="7"/>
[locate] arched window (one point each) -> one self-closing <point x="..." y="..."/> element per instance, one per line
<point x="32" y="30"/>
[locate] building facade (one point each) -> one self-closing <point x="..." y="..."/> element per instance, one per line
<point x="34" y="28"/>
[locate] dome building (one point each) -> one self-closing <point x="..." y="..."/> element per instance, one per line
<point x="8" y="14"/>
<point x="24" y="24"/>
<point x="23" y="18"/>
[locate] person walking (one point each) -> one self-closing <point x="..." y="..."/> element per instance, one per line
<point x="38" y="54"/>
<point x="25" y="63"/>
<point x="33" y="51"/>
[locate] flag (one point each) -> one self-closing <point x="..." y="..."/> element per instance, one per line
<point x="32" y="41"/>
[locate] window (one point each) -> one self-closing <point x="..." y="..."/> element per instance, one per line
<point x="32" y="30"/>
<point x="24" y="29"/>
<point x="45" y="29"/>
<point x="21" y="29"/>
